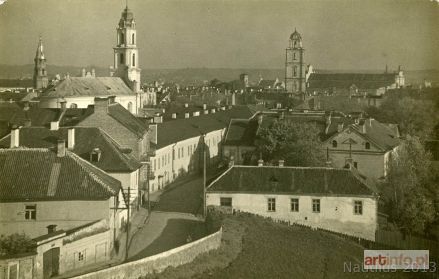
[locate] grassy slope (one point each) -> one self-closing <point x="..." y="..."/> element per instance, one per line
<point x="272" y="250"/>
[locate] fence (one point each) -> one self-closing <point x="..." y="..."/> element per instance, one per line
<point x="157" y="263"/>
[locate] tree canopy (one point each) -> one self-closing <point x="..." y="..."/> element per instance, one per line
<point x="15" y="244"/>
<point x="296" y="143"/>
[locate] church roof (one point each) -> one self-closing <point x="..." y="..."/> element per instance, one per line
<point x="127" y="18"/>
<point x="88" y="86"/>
<point x="295" y="35"/>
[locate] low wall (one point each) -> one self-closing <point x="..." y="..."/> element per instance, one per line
<point x="157" y="263"/>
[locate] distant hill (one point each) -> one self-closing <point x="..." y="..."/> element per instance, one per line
<point x="195" y="76"/>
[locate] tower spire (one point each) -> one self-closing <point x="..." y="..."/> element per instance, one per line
<point x="40" y="73"/>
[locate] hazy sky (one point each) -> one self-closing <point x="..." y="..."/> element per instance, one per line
<point x="337" y="34"/>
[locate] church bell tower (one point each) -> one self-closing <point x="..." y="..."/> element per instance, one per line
<point x="126" y="54"/>
<point x="40" y="73"/>
<point x="295" y="79"/>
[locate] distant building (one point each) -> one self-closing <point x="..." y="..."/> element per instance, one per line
<point x="295" y="76"/>
<point x="333" y="199"/>
<point x="41" y="80"/>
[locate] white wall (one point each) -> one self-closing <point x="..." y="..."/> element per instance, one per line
<point x="336" y="212"/>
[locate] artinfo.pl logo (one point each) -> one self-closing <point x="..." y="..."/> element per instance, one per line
<point x="396" y="259"/>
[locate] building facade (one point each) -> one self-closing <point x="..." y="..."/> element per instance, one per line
<point x="295" y="68"/>
<point x="331" y="199"/>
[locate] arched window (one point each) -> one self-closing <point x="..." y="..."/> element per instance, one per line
<point x="132" y="39"/>
<point x="295" y="43"/>
<point x="294" y="56"/>
<point x="367" y="145"/>
<point x="134" y="60"/>
<point x="122" y="60"/>
<point x="73" y="105"/>
<point x="130" y="107"/>
<point x="295" y="71"/>
<point x="121" y="39"/>
<point x="334" y="143"/>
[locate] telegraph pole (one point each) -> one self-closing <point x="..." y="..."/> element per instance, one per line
<point x="204" y="184"/>
<point x="128" y="225"/>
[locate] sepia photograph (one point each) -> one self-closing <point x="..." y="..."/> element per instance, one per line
<point x="247" y="139"/>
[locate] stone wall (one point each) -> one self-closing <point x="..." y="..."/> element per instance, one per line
<point x="157" y="263"/>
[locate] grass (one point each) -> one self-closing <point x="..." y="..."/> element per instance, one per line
<point x="271" y="250"/>
<point x="174" y="234"/>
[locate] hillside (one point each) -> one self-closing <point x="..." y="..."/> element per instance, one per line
<point x="194" y="76"/>
<point x="257" y="248"/>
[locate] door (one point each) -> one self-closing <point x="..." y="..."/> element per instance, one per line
<point x="51" y="262"/>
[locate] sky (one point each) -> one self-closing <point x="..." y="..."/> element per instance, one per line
<point x="337" y="34"/>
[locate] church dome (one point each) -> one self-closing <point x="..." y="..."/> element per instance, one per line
<point x="295" y="35"/>
<point x="127" y="18"/>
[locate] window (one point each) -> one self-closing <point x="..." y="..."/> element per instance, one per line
<point x="358" y="207"/>
<point x="356" y="165"/>
<point x="122" y="60"/>
<point x="367" y="145"/>
<point x="30" y="212"/>
<point x="295" y="71"/>
<point x="295" y="205"/>
<point x="121" y="39"/>
<point x="226" y="202"/>
<point x="81" y="256"/>
<point x="153" y="165"/>
<point x="95" y="155"/>
<point x="134" y="60"/>
<point x="13" y="271"/>
<point x="334" y="143"/>
<point x="178" y="153"/>
<point x="132" y="39"/>
<point x="271" y="204"/>
<point x="316" y="206"/>
<point x="294" y="56"/>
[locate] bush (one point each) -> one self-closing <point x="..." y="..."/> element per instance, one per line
<point x="16" y="244"/>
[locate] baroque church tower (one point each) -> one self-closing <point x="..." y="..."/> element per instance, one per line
<point x="40" y="72"/>
<point x="295" y="79"/>
<point x="126" y="54"/>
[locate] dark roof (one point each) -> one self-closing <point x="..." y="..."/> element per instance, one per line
<point x="88" y="86"/>
<point x="241" y="132"/>
<point x="38" y="174"/>
<point x="113" y="157"/>
<point x="179" y="129"/>
<point x="292" y="180"/>
<point x="345" y="80"/>
<point x="127" y="119"/>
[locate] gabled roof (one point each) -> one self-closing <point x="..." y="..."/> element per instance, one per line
<point x="180" y="129"/>
<point x="346" y="80"/>
<point x="241" y="132"/>
<point x="88" y="87"/>
<point x="127" y="119"/>
<point x="291" y="180"/>
<point x="113" y="157"/>
<point x="39" y="175"/>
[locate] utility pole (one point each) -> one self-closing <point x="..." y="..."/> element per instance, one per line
<point x="128" y="225"/>
<point x="204" y="184"/>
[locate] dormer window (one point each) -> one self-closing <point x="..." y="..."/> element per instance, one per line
<point x="367" y="145"/>
<point x="95" y="155"/>
<point x="334" y="143"/>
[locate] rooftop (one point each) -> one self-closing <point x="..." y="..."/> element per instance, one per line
<point x="38" y="174"/>
<point x="345" y="80"/>
<point x="291" y="180"/>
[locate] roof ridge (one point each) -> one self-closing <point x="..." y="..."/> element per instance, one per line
<point x="116" y="147"/>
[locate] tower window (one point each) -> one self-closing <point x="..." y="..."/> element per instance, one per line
<point x="334" y="143"/>
<point x="132" y="39"/>
<point x="295" y="71"/>
<point x="295" y="43"/>
<point x="367" y="145"/>
<point x="121" y="39"/>
<point x="134" y="60"/>
<point x="294" y="56"/>
<point x="122" y="60"/>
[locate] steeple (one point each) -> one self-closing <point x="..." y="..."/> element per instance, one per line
<point x="295" y="76"/>
<point x="126" y="58"/>
<point x="40" y="73"/>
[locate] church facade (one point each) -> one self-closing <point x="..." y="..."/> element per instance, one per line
<point x="295" y="68"/>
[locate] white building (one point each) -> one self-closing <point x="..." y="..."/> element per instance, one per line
<point x="333" y="199"/>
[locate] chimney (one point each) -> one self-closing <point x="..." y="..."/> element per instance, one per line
<point x="260" y="118"/>
<point x="71" y="138"/>
<point x="174" y="116"/>
<point x="223" y="108"/>
<point x="281" y="115"/>
<point x="212" y="110"/>
<point x="158" y="119"/>
<point x="61" y="148"/>
<point x="27" y="123"/>
<point x="93" y="73"/>
<point x="196" y="113"/>
<point x="231" y="162"/>
<point x="153" y="131"/>
<point x="186" y="105"/>
<point x="260" y="163"/>
<point x="233" y="99"/>
<point x="370" y="121"/>
<point x="204" y="106"/>
<point x="54" y="125"/>
<point x="206" y="111"/>
<point x="83" y="72"/>
<point x="51" y="228"/>
<point x="15" y="137"/>
<point x="363" y="128"/>
<point x="186" y="115"/>
<point x="63" y="104"/>
<point x="112" y="99"/>
<point x="101" y="105"/>
<point x="340" y="127"/>
<point x="281" y="163"/>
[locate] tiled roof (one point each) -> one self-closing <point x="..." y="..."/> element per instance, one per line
<point x="113" y="158"/>
<point x="241" y="132"/>
<point x="127" y="119"/>
<point x="88" y="86"/>
<point x="345" y="80"/>
<point x="292" y="180"/>
<point x="38" y="174"/>
<point x="180" y="129"/>
<point x="382" y="135"/>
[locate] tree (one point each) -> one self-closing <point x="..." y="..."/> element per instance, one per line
<point x="296" y="143"/>
<point x="409" y="187"/>
<point x="15" y="244"/>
